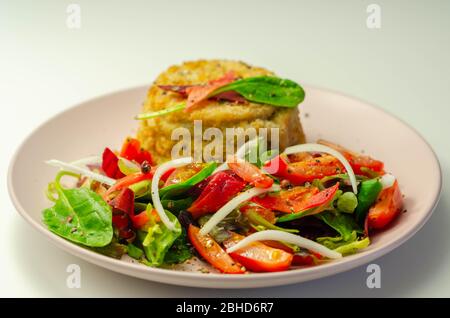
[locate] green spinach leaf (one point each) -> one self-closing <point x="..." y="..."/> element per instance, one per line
<point x="267" y="90"/>
<point x="79" y="215"/>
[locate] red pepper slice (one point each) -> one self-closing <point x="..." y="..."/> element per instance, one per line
<point x="222" y="186"/>
<point x="259" y="257"/>
<point x="287" y="201"/>
<point x="250" y="173"/>
<point x="132" y="151"/>
<point x="213" y="253"/>
<point x="110" y="164"/>
<point x="356" y="160"/>
<point x="387" y="207"/>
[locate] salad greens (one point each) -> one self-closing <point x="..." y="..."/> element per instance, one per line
<point x="158" y="239"/>
<point x="79" y="215"/>
<point x="246" y="203"/>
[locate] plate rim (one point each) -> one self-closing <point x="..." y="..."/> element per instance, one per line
<point x="184" y="278"/>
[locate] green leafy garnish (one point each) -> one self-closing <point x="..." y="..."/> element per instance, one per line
<point x="267" y="90"/>
<point x="260" y="223"/>
<point x="175" y="206"/>
<point x="162" y="112"/>
<point x="79" y="215"/>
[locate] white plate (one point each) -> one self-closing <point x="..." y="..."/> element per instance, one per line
<point x="105" y="121"/>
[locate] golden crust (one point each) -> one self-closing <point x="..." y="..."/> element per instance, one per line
<point x="155" y="134"/>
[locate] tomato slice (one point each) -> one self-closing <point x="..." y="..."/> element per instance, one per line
<point x="250" y="173"/>
<point x="132" y="151"/>
<point x="306" y="170"/>
<point x="287" y="201"/>
<point x="387" y="207"/>
<point x="356" y="160"/>
<point x="259" y="257"/>
<point x="213" y="253"/>
<point x="196" y="94"/>
<point x="222" y="186"/>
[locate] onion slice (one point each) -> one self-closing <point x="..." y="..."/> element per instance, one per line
<point x="276" y="235"/>
<point x="155" y="187"/>
<point x="240" y="153"/>
<point x="387" y="180"/>
<point x="86" y="172"/>
<point x="325" y="149"/>
<point x="233" y="204"/>
<point x="87" y="161"/>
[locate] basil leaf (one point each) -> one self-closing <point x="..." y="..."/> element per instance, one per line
<point x="267" y="90"/>
<point x="80" y="215"/>
<point x="179" y="188"/>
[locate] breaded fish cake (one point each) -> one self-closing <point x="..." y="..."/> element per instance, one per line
<point x="155" y="134"/>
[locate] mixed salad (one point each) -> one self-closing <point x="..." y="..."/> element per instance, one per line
<point x="305" y="206"/>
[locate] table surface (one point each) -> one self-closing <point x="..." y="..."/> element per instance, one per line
<point x="46" y="67"/>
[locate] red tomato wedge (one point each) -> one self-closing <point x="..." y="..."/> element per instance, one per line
<point x="287" y="201"/>
<point x="132" y="151"/>
<point x="250" y="173"/>
<point x="213" y="253"/>
<point x="196" y="94"/>
<point x="222" y="186"/>
<point x="259" y="257"/>
<point x="306" y="170"/>
<point x="387" y="207"/>
<point x="356" y="160"/>
<point x="110" y="164"/>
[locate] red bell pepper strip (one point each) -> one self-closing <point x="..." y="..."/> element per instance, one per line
<point x="222" y="186"/>
<point x="315" y="204"/>
<point x="250" y="173"/>
<point x="259" y="257"/>
<point x="122" y="209"/>
<point x="132" y="151"/>
<point x="110" y="164"/>
<point x="306" y="170"/>
<point x="287" y="201"/>
<point x="356" y="160"/>
<point x="213" y="253"/>
<point x="387" y="207"/>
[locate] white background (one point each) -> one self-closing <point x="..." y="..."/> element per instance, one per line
<point x="45" y="68"/>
